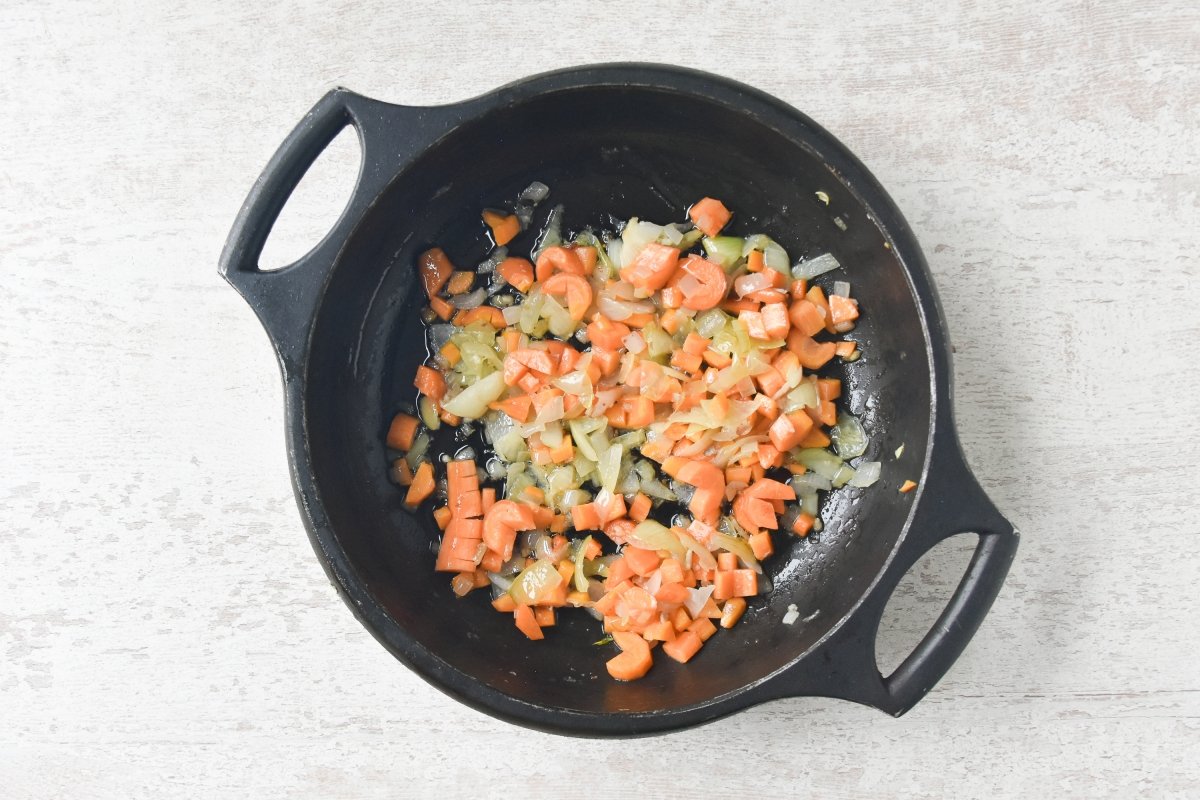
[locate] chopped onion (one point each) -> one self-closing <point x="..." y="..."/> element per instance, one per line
<point x="849" y="438"/>
<point x="496" y="469"/>
<point x="752" y="282"/>
<point x="708" y="323"/>
<point x="472" y="402"/>
<point x="697" y="599"/>
<point x="810" y="481"/>
<point x="552" y="411"/>
<point x="439" y="335"/>
<point x="535" y="192"/>
<point x="812" y="267"/>
<point x="416" y="453"/>
<point x="470" y="299"/>
<point x="634" y="343"/>
<point x="465" y="453"/>
<point x="512" y="315"/>
<point x="672" y="236"/>
<point x="841" y="289"/>
<point x="866" y="474"/>
<point x="490" y="263"/>
<point x="792" y="615"/>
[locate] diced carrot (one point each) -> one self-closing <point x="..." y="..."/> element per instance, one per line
<point x="680" y="619"/>
<point x="696" y="344"/>
<point x="842" y="312"/>
<point x="635" y="659"/>
<point x="558" y="259"/>
<point x="816" y="438"/>
<point x="735" y="583"/>
<point x="755" y="262"/>
<point x="770" y="489"/>
<point x="401" y="432"/>
<point x="710" y="215"/>
<point x="788" y="430"/>
<point x="504" y="603"/>
<point x="845" y="349"/>
<point x="727" y="561"/>
<point x="657" y="449"/>
<point x="607" y="360"/>
<point x="462" y="583"/>
<point x="803" y="525"/>
<point x="527" y="623"/>
<point x="516" y="407"/>
<point x="775" y="319"/>
<point x="670" y="321"/>
<point x="441" y="307"/>
<point x="517" y="272"/>
<point x="430" y="382"/>
<point x="769" y="456"/>
<point x="435" y="269"/>
<point x="607" y="604"/>
<point x="564" y="452"/>
<point x="732" y="611"/>
<point x="770" y="381"/>
<point x="710" y="609"/>
<point x="639" y="509"/>
<point x="467" y="504"/>
<point x="753" y="320"/>
<point x="652" y="267"/>
<point x="701" y="282"/>
<point x="806" y="317"/>
<point x="631" y="411"/>
<point x="738" y="306"/>
<point x="460" y="282"/>
<point x="510" y="340"/>
<point x="585" y="517"/>
<point x="642" y="562"/>
<point x="441" y="516"/>
<point x="688" y="362"/>
<point x="760" y="544"/>
<point x="544" y="616"/>
<point x="753" y="513"/>
<point x="491" y="562"/>
<point x="489" y="314"/>
<point x="639" y="320"/>
<point x="402" y="472"/>
<point x="907" y="487"/>
<point x="685" y="646"/>
<point x="829" y="388"/>
<point x="661" y="631"/>
<point x="717" y="359"/>
<point x="587" y="257"/>
<point x="422" y="485"/>
<point x="530" y="382"/>
<point x="703" y="628"/>
<point x="575" y="288"/>
<point x="505" y="227"/>
<point x="812" y="354"/>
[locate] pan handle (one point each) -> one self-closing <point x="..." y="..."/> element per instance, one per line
<point x="286" y="299"/>
<point x="843" y="665"/>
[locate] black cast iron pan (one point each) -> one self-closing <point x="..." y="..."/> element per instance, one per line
<point x="615" y="140"/>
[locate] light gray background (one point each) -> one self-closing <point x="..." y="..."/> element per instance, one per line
<point x="165" y="629"/>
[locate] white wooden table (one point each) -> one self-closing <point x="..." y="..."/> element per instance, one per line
<point x="165" y="630"/>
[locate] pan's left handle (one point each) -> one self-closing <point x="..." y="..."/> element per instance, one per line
<point x="286" y="299"/>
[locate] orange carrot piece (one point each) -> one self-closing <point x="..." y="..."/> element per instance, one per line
<point x="527" y="623"/>
<point x="703" y="628"/>
<point x="907" y="487"/>
<point x="585" y="517"/>
<point x="842" y="312"/>
<point x="789" y="430"/>
<point x="442" y="308"/>
<point x="558" y="259"/>
<point x="441" y="516"/>
<point x="652" y="267"/>
<point x="732" y="611"/>
<point x="803" y="525"/>
<point x="435" y="269"/>
<point x="816" y="438"/>
<point x="812" y="354"/>
<point x="642" y="562"/>
<point x="587" y="257"/>
<point x="687" y="362"/>
<point x="845" y="349"/>
<point x="401" y="432"/>
<point x="504" y="604"/>
<point x="670" y="321"/>
<point x="707" y="286"/>
<point x="575" y="288"/>
<point x="753" y="320"/>
<point x="422" y="485"/>
<point x="462" y="583"/>
<point x="635" y="659"/>
<point x="402" y="472"/>
<point x="755" y="262"/>
<point x="775" y="319"/>
<point x="505" y="227"/>
<point x="710" y="215"/>
<point x="489" y="314"/>
<point x="430" y="382"/>
<point x="544" y="616"/>
<point x="760" y="545"/>
<point x="460" y="282"/>
<point x="685" y="646"/>
<point x="517" y="272"/>
<point x="639" y="509"/>
<point x="806" y="317"/>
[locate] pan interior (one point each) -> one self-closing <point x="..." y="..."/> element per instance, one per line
<point x="618" y="151"/>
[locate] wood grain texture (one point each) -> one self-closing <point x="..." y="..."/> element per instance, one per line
<point x="165" y="630"/>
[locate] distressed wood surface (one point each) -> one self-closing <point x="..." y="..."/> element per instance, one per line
<point x="165" y="630"/>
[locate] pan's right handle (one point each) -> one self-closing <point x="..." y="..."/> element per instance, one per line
<point x="389" y="135"/>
